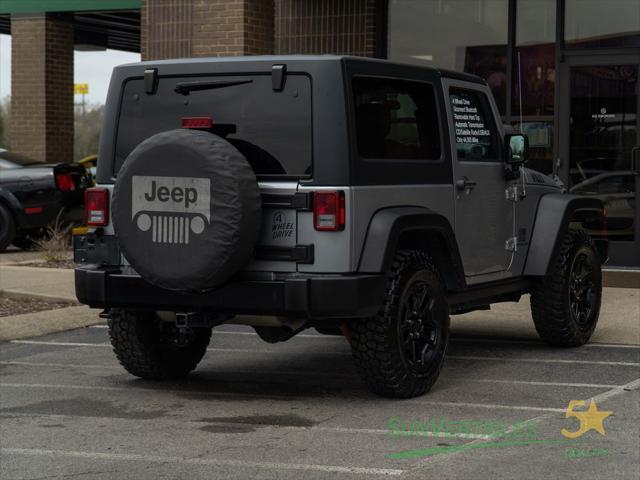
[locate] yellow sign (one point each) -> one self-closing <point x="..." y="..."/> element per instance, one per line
<point x="80" y="88"/>
<point x="590" y="419"/>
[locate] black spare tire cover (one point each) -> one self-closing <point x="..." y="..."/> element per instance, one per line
<point x="186" y="210"/>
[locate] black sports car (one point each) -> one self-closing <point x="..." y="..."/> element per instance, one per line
<point x="33" y="194"/>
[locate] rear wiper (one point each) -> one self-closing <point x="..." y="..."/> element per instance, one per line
<point x="185" y="88"/>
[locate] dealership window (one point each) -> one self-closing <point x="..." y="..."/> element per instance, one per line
<point x="463" y="35"/>
<point x="396" y="119"/>
<point x="534" y="78"/>
<point x="600" y="24"/>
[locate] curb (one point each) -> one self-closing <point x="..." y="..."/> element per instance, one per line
<point x="47" y="321"/>
<point x="9" y="293"/>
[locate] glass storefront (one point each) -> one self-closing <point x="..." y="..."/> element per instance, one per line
<point x="602" y="24"/>
<point x="566" y="72"/>
<point x="453" y="34"/>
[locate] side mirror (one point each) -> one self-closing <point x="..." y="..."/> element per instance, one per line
<point x="517" y="149"/>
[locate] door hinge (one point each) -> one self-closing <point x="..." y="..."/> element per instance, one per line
<point x="514" y="193"/>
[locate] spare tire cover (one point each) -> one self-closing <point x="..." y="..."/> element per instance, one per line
<point x="186" y="210"/>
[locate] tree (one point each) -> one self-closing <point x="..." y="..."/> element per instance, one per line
<point x="87" y="126"/>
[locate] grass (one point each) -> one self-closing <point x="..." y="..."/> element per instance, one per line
<point x="56" y="243"/>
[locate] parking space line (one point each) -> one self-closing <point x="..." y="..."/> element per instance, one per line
<point x="542" y="360"/>
<point x="453" y="339"/>
<point x="345" y="430"/>
<point x="212" y="462"/>
<point x="60" y="344"/>
<point x="258" y="396"/>
<point x="306" y="373"/>
<point x="449" y="357"/>
<point x="549" y="384"/>
<point x="633" y="385"/>
<point x="535" y="342"/>
<point x="485" y="405"/>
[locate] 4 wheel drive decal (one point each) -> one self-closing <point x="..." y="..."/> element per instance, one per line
<point x="171" y="207"/>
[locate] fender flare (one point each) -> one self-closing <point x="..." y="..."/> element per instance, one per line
<point x="388" y="225"/>
<point x="554" y="213"/>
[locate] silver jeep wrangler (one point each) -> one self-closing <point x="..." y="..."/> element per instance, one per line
<point x="355" y="196"/>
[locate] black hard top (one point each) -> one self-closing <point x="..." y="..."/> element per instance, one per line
<point x="262" y="61"/>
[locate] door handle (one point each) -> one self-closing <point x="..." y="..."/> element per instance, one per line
<point x="464" y="183"/>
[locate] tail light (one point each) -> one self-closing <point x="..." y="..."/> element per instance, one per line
<point x="65" y="183"/>
<point x="328" y="211"/>
<point x="96" y="207"/>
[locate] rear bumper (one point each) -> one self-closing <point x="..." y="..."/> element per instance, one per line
<point x="318" y="296"/>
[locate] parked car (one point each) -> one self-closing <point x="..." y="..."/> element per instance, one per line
<point x="90" y="162"/>
<point x="354" y="196"/>
<point x="33" y="195"/>
<point x="617" y="191"/>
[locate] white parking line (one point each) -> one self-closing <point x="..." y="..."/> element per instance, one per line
<point x="258" y="396"/>
<point x="108" y="345"/>
<point x="535" y="342"/>
<point x="307" y="373"/>
<point x="60" y="344"/>
<point x="213" y="462"/>
<point x="542" y="360"/>
<point x="449" y="357"/>
<point x="485" y="405"/>
<point x="453" y="339"/>
<point x="345" y="430"/>
<point x="543" y="384"/>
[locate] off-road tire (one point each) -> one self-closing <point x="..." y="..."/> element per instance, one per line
<point x="376" y="342"/>
<point x="150" y="348"/>
<point x="7" y="228"/>
<point x="551" y="306"/>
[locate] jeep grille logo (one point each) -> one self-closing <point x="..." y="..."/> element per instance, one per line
<point x="171" y="207"/>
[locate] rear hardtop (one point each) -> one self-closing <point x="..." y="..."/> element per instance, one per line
<point x="319" y="77"/>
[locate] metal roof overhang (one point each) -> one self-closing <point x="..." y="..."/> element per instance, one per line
<point x="103" y="23"/>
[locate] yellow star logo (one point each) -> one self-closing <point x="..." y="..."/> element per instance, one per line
<point x="590" y="419"/>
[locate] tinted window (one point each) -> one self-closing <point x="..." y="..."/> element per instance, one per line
<point x="271" y="129"/>
<point x="473" y="126"/>
<point x="396" y="119"/>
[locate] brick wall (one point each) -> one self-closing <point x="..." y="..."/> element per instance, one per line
<point x="166" y="27"/>
<point x="326" y="26"/>
<point x="196" y="28"/>
<point x="42" y="88"/>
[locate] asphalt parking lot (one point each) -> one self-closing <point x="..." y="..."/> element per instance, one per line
<point x="298" y="410"/>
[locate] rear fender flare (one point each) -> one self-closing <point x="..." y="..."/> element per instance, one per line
<point x="391" y="227"/>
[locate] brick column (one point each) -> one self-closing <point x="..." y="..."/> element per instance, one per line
<point x="42" y="87"/>
<point x="200" y="28"/>
<point x="346" y="27"/>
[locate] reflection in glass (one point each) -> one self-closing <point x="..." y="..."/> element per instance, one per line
<point x="534" y="68"/>
<point x="464" y="35"/>
<point x="603" y="134"/>
<point x="602" y="24"/>
<point x="540" y="155"/>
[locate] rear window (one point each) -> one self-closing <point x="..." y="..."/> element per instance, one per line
<point x="271" y="129"/>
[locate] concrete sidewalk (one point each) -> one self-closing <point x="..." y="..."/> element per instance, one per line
<point x="45" y="282"/>
<point x="619" y="318"/>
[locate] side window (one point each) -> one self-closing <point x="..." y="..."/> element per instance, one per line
<point x="396" y="119"/>
<point x="476" y="135"/>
